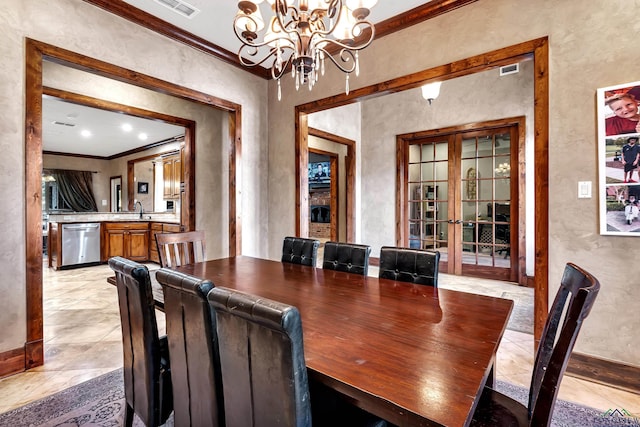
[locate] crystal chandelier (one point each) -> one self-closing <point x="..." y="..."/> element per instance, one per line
<point x="301" y="37"/>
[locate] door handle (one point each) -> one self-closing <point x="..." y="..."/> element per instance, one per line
<point x="450" y="221"/>
<point x="458" y="221"/>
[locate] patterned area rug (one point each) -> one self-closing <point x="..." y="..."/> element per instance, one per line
<point x="97" y="402"/>
<point x="100" y="402"/>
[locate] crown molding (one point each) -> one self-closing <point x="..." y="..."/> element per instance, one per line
<point x="397" y="23"/>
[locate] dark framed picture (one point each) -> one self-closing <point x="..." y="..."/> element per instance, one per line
<point x="143" y="188"/>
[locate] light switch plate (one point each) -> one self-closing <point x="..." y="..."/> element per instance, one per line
<point x="584" y="189"/>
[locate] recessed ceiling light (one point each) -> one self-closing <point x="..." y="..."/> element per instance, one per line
<point x="86" y="133"/>
<point x="143" y="136"/>
<point x="126" y="127"/>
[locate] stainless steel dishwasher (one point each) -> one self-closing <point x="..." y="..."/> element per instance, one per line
<point x="80" y="243"/>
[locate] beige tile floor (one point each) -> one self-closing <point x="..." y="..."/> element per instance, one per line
<point x="82" y="341"/>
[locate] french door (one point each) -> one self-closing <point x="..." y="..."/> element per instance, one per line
<point x="462" y="200"/>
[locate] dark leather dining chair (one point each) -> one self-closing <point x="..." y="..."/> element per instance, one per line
<point x="409" y="265"/>
<point x="147" y="372"/>
<point x="298" y="250"/>
<point x="193" y="345"/>
<point x="264" y="375"/>
<point x="347" y="257"/>
<point x="578" y="291"/>
<point x="176" y="249"/>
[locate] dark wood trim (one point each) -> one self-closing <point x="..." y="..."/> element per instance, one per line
<point x="111" y="178"/>
<point x="35" y="53"/>
<point x="144" y="19"/>
<point x="350" y="177"/>
<point x="418" y="14"/>
<point x="302" y="175"/>
<point x="33" y="205"/>
<point x="541" y="185"/>
<point x="335" y="200"/>
<point x="601" y="371"/>
<point x="88" y="101"/>
<point x="530" y="282"/>
<point x="147" y="20"/>
<point x="235" y="158"/>
<point x="536" y="49"/>
<point x="12" y="361"/>
<point x="374" y="261"/>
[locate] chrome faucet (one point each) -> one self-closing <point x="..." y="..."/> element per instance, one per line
<point x="141" y="209"/>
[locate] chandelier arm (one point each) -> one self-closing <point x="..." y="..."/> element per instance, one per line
<point x="275" y="74"/>
<point x="346" y="55"/>
<point x="345" y="46"/>
<point x="282" y="9"/>
<point x="364" y="24"/>
<point x="254" y="51"/>
<point x="287" y="27"/>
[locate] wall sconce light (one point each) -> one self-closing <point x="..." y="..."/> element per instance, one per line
<point x="430" y="91"/>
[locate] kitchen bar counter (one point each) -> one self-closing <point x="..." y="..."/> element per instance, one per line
<point x="168" y="217"/>
<point x="118" y="235"/>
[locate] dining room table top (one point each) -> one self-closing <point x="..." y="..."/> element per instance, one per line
<point x="411" y="354"/>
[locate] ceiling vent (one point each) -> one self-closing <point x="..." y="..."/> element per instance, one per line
<point x="55" y="122"/>
<point x="178" y="6"/>
<point x="509" y="69"/>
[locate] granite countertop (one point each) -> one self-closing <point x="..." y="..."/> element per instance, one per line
<point x="168" y="217"/>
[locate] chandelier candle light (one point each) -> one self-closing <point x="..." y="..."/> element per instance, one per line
<point x="301" y="36"/>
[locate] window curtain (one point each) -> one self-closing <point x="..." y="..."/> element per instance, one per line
<point x="76" y="188"/>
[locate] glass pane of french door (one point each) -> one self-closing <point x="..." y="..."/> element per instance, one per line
<point x="428" y="196"/>
<point x="485" y="199"/>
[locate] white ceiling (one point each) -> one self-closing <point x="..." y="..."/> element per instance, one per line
<point x="214" y="22"/>
<point x="107" y="136"/>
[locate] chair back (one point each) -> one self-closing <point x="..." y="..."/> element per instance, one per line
<point x="578" y="291"/>
<point x="298" y="250"/>
<point x="409" y="265"/>
<point x="193" y="344"/>
<point x="262" y="358"/>
<point x="147" y="374"/>
<point x="176" y="249"/>
<point x="347" y="257"/>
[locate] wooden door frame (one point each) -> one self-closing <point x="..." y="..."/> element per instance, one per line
<point x="518" y="155"/>
<point x="350" y="177"/>
<point x="538" y="49"/>
<point x="32" y="354"/>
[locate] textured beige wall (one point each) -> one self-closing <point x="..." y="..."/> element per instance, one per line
<point x="591" y="45"/>
<point x="80" y="27"/>
<point x="474" y="98"/>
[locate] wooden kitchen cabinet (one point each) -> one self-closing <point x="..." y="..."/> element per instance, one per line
<point x="172" y="175"/>
<point x="159" y="227"/>
<point x="54" y="246"/>
<point x="126" y="239"/>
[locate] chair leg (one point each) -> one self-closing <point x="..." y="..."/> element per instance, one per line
<point x="128" y="415"/>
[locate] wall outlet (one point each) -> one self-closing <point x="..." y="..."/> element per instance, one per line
<point x="104" y="202"/>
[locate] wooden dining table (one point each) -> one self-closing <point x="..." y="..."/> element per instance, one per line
<point x="411" y="354"/>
